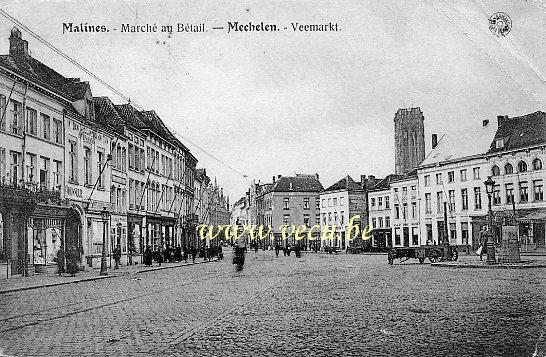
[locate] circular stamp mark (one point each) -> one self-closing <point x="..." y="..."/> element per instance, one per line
<point x="500" y="24"/>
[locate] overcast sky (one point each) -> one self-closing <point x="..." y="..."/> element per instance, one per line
<point x="284" y="102"/>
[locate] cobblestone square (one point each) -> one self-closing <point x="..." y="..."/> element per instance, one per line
<point x="325" y="305"/>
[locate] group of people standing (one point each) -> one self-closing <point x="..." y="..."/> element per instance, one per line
<point x="176" y="254"/>
<point x="69" y="259"/>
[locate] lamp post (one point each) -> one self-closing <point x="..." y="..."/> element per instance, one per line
<point x="489" y="186"/>
<point x="104" y="215"/>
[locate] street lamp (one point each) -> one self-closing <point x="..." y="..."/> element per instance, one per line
<point x="104" y="215"/>
<point x="489" y="186"/>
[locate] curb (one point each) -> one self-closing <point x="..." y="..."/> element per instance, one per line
<point x="528" y="265"/>
<point x="100" y="277"/>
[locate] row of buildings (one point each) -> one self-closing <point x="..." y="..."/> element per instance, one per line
<point x="407" y="208"/>
<point x="76" y="169"/>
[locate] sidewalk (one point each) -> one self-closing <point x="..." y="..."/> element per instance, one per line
<point x="41" y="280"/>
<point x="473" y="261"/>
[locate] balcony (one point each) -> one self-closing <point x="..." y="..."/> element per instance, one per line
<point x="28" y="192"/>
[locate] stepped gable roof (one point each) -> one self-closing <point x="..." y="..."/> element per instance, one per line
<point x="461" y="144"/>
<point x="346" y="183"/>
<point x="299" y="183"/>
<point x="386" y="182"/>
<point x="520" y="132"/>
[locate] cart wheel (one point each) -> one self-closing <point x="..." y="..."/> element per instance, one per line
<point x="421" y="260"/>
<point x="391" y="256"/>
<point x="435" y="255"/>
<point x="454" y="255"/>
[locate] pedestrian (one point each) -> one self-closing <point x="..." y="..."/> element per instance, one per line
<point x="210" y="252"/>
<point x="117" y="257"/>
<point x="178" y="254"/>
<point x="186" y="253"/>
<point x="256" y="247"/>
<point x="297" y="250"/>
<point x="159" y="255"/>
<point x="288" y="249"/>
<point x="72" y="258"/>
<point x="148" y="256"/>
<point x="483" y="242"/>
<point x="193" y="253"/>
<point x="166" y="255"/>
<point x="60" y="261"/>
<point x="277" y="248"/>
<point x="220" y="253"/>
<point x="239" y="255"/>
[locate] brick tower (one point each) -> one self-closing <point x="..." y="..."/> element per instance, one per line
<point x="409" y="139"/>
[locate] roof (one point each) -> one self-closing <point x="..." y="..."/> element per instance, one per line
<point x="299" y="183"/>
<point x="520" y="132"/>
<point x="106" y="114"/>
<point x="386" y="182"/>
<point x="457" y="145"/>
<point x="346" y="183"/>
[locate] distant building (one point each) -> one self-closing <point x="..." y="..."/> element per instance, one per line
<point x="409" y="139"/>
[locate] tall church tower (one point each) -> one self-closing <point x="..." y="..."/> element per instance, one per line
<point x="409" y="139"/>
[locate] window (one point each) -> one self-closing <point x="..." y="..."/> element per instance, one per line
<point x="131" y="193"/>
<point x="100" y="163"/>
<point x="342" y="218"/>
<point x="509" y="188"/>
<point x="31" y="168"/>
<point x="495" y="171"/>
<point x="323" y="203"/>
<point x="317" y="204"/>
<point x="499" y="143"/>
<point x="522" y="166"/>
<point x="123" y="159"/>
<point x="537" y="188"/>
<point x="324" y="218"/>
<point x="464" y="199"/>
<point x="380" y="202"/>
<point x="387" y="221"/>
<point x="427" y="180"/>
<point x="428" y="203"/>
<point x="451" y="200"/>
<point x="414" y="210"/>
<point x="57" y="173"/>
<point x="32" y="121"/>
<point x="285" y="203"/>
<point x="329" y="202"/>
<point x="46" y="127"/>
<point x="523" y="192"/>
<point x="453" y="233"/>
<point x="73" y="161"/>
<point x="317" y="218"/>
<point x="16" y="120"/>
<point x="387" y="202"/>
<point x="476" y="172"/>
<point x="58" y="131"/>
<point x="15" y="170"/>
<point x="405" y="211"/>
<point x="477" y="198"/>
<point x="464" y="233"/>
<point x="335" y="202"/>
<point x="373" y="202"/>
<point x="450" y="176"/>
<point x="508" y="169"/>
<point x="537" y="164"/>
<point x="87" y="165"/>
<point x="414" y="236"/>
<point x="306" y="219"/>
<point x="496" y="195"/>
<point x="380" y="220"/>
<point x="463" y="175"/>
<point x="44" y="172"/>
<point x="131" y="156"/>
<point x="396" y="211"/>
<point x="439" y="202"/>
<point x="2" y="164"/>
<point x="329" y="217"/>
<point x="286" y="219"/>
<point x="341" y="201"/>
<point x="397" y="236"/>
<point x="374" y="225"/>
<point x="438" y="179"/>
<point x="335" y="217"/>
<point x="306" y="203"/>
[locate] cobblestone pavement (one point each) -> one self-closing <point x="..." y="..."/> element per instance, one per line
<point x="324" y="305"/>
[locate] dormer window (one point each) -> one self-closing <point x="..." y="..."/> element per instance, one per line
<point x="499" y="143"/>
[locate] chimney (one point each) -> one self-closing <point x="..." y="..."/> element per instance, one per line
<point x="362" y="179"/>
<point x="317" y="176"/>
<point x="501" y="119"/>
<point x="485" y="122"/>
<point x="279" y="176"/>
<point x="434" y="140"/>
<point x="273" y="179"/>
<point x="371" y="177"/>
<point x="18" y="48"/>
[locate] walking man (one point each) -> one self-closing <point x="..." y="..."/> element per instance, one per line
<point x="117" y="257"/>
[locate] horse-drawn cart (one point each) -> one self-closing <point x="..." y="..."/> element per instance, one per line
<point x="434" y="253"/>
